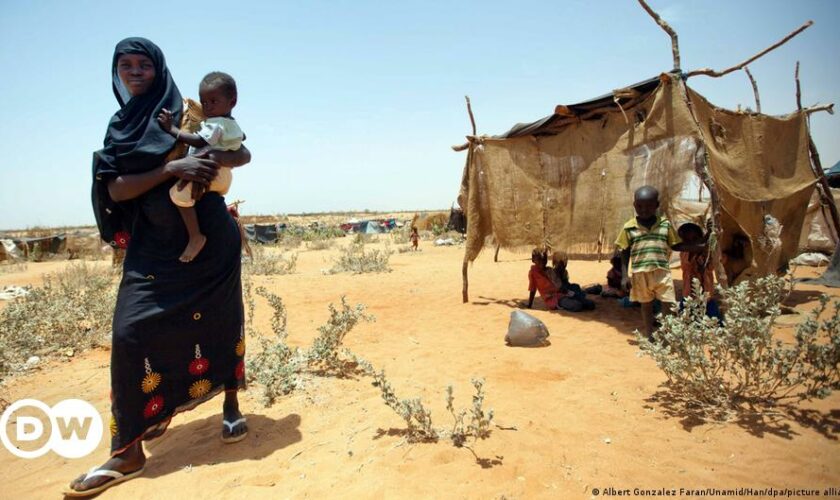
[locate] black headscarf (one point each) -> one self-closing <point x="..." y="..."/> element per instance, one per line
<point x="134" y="142"/>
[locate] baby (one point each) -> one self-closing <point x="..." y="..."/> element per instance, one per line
<point x="219" y="132"/>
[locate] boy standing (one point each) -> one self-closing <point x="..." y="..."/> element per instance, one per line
<point x="646" y="242"/>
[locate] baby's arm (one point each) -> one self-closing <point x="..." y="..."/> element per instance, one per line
<point x="165" y="121"/>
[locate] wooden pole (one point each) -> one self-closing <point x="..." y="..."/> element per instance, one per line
<point x="798" y="91"/>
<point x="465" y="289"/>
<point x="715" y="74"/>
<point x="755" y="89"/>
<point x="816" y="165"/>
<point x="675" y="45"/>
<point x="702" y="169"/>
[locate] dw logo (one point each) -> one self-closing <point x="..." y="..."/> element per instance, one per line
<point x="72" y="428"/>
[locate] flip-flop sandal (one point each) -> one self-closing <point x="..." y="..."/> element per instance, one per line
<point x="118" y="477"/>
<point x="230" y="426"/>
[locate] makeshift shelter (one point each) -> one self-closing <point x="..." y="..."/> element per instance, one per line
<point x="457" y="221"/>
<point x="566" y="182"/>
<point x="369" y="227"/>
<point x="818" y="233"/>
<point x="261" y="233"/>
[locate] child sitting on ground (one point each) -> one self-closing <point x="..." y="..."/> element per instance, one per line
<point x="614" y="275"/>
<point x="572" y="297"/>
<point x="645" y="243"/>
<point x="538" y="280"/>
<point x="220" y="132"/>
<point x="696" y="265"/>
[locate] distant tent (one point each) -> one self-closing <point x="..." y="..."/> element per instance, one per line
<point x="833" y="175"/>
<point x="370" y="227"/>
<point x="261" y="233"/>
<point x="13" y="248"/>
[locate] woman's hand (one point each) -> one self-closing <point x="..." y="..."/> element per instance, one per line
<point x="228" y="158"/>
<point x="191" y="169"/>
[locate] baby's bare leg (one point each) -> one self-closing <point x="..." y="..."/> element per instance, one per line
<point x="197" y="240"/>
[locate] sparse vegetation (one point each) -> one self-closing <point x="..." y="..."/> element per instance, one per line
<point x="13" y="267"/>
<point x="354" y="258"/>
<point x="279" y="369"/>
<point x="418" y="418"/>
<point x="721" y="367"/>
<point x="327" y="353"/>
<point x="320" y="244"/>
<point x="265" y="262"/>
<point x="71" y="311"/>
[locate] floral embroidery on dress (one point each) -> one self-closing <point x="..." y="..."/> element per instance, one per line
<point x="240" y="370"/>
<point x="199" y="388"/>
<point x="113" y="426"/>
<point x="153" y="407"/>
<point x="199" y="365"/>
<point x="151" y="380"/>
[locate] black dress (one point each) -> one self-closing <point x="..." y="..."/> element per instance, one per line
<point x="178" y="327"/>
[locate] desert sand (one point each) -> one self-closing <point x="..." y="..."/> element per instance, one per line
<point x="585" y="412"/>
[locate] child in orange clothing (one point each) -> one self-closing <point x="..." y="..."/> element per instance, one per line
<point x="538" y="280"/>
<point x="697" y="265"/>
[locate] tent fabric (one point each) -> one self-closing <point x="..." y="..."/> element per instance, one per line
<point x="261" y="233"/>
<point x="567" y="184"/>
<point x="818" y="234"/>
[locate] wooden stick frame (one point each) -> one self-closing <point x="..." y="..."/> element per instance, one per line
<point x="755" y="89"/>
<point x="675" y="45"/>
<point x="716" y="74"/>
<point x="465" y="288"/>
<point x="823" y="187"/>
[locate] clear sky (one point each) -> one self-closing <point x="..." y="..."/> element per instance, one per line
<point x="354" y="104"/>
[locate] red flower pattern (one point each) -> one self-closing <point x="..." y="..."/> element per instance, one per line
<point x="240" y="370"/>
<point x="198" y="366"/>
<point x="153" y="407"/>
<point x="121" y="238"/>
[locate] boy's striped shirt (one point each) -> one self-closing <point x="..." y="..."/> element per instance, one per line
<point x="649" y="248"/>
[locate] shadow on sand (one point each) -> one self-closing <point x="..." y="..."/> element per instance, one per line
<point x="197" y="443"/>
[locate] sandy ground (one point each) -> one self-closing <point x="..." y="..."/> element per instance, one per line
<point x="580" y="414"/>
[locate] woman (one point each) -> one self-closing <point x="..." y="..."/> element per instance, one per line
<point x="178" y="328"/>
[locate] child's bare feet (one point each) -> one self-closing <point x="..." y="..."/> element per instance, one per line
<point x="193" y="248"/>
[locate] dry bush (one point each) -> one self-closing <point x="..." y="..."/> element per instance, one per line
<point x="401" y="235"/>
<point x="722" y="367"/>
<point x="327" y="354"/>
<point x="355" y="259"/>
<point x="12" y="266"/>
<point x="263" y="262"/>
<point x="479" y="425"/>
<point x="320" y="244"/>
<point x="72" y="310"/>
<point x="418" y="418"/>
<point x="289" y="240"/>
<point x="277" y="366"/>
<point x="280" y="369"/>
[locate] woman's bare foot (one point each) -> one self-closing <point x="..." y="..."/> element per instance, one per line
<point x="193" y="248"/>
<point x="128" y="461"/>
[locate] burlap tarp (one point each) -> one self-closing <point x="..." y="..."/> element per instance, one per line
<point x="571" y="188"/>
<point x="818" y="234"/>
